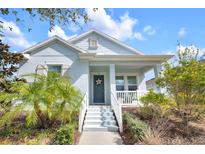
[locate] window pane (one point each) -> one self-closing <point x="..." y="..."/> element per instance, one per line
<point x="131" y="80"/>
<point x="132" y="88"/>
<point x="119" y="80"/>
<point x="120" y="88"/>
<point x="54" y="68"/>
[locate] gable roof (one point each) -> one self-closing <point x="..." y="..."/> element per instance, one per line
<point x="52" y="39"/>
<point x="72" y="40"/>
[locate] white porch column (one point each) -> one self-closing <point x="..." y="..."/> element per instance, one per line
<point x="141" y="81"/>
<point x="112" y="78"/>
<point x="157" y="69"/>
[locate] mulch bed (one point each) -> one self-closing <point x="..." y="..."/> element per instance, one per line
<point x="173" y="131"/>
<point x="13" y="134"/>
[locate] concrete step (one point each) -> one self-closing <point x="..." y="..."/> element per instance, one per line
<point x="100" y="114"/>
<point x="100" y="128"/>
<point x="99" y="117"/>
<point x="99" y="110"/>
<point x="100" y="106"/>
<point x="100" y="122"/>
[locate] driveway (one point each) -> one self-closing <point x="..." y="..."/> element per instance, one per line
<point x="100" y="138"/>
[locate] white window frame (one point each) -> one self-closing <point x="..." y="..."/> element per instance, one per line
<point x="125" y="75"/>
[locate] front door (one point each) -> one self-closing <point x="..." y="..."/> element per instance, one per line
<point x="98" y="89"/>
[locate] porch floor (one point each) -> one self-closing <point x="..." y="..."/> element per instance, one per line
<point x="100" y="138"/>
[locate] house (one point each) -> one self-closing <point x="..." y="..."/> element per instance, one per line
<point x="109" y="72"/>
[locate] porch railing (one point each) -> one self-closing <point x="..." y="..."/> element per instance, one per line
<point x="131" y="98"/>
<point x="116" y="106"/>
<point x="83" y="110"/>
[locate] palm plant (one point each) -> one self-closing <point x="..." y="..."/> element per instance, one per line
<point x="48" y="99"/>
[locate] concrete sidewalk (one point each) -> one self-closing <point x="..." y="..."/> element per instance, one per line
<point x="100" y="138"/>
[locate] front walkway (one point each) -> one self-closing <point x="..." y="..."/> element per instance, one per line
<point x="100" y="138"/>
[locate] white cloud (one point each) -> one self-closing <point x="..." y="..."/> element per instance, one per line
<point x="59" y="32"/>
<point x="14" y="36"/>
<point x="139" y="36"/>
<point x="149" y="30"/>
<point x="121" y="29"/>
<point x="182" y="32"/>
<point x="168" y="52"/>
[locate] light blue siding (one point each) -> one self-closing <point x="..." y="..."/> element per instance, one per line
<point x="58" y="54"/>
<point x="105" y="46"/>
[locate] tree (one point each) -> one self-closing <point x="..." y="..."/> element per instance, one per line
<point x="9" y="63"/>
<point x="185" y="82"/>
<point x="49" y="99"/>
<point x="61" y="16"/>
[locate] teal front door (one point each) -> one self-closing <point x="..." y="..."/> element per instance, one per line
<point x="98" y="89"/>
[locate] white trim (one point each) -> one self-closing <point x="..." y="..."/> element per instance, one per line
<point x="92" y="88"/>
<point x="139" y="58"/>
<point x="52" y="39"/>
<point x="72" y="40"/>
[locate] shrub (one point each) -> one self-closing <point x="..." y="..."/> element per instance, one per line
<point x="48" y="99"/>
<point x="184" y="81"/>
<point x="154" y="98"/>
<point x="135" y="126"/>
<point x="65" y="135"/>
<point x="154" y="104"/>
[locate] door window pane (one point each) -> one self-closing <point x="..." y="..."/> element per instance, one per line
<point x="54" y="68"/>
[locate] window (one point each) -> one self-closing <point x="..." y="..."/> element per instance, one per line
<point x="54" y="68"/>
<point x="120" y="83"/>
<point x="93" y="43"/>
<point x="124" y="82"/>
<point x="132" y="83"/>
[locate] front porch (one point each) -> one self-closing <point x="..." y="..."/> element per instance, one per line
<point x="126" y="81"/>
<point x="116" y="82"/>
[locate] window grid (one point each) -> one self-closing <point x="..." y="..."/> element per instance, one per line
<point x="126" y="84"/>
<point x="55" y="68"/>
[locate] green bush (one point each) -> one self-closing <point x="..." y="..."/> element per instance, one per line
<point x="65" y="135"/>
<point x="155" y="105"/>
<point x="135" y="126"/>
<point x="154" y="98"/>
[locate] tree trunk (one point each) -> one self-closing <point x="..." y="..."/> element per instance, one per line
<point x="39" y="113"/>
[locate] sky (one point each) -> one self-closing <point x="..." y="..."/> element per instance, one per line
<point x="152" y="31"/>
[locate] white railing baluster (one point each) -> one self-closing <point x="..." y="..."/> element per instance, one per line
<point x="130" y="98"/>
<point x="83" y="110"/>
<point x="117" y="108"/>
